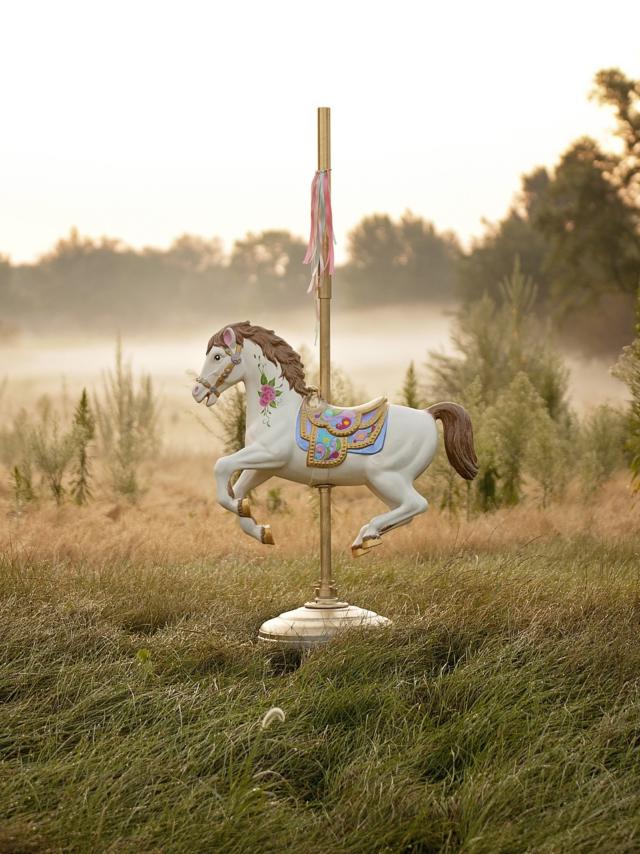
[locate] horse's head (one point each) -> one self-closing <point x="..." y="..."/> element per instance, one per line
<point x="222" y="368"/>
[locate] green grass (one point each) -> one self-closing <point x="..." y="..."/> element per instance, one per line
<point x="499" y="713"/>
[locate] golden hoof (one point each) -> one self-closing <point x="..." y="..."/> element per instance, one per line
<point x="371" y="542"/>
<point x="358" y="551"/>
<point x="267" y="536"/>
<point x="244" y="508"/>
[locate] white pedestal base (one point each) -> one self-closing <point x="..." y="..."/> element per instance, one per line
<point x="312" y="625"/>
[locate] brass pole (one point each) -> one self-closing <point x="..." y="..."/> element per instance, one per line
<point x="326" y="592"/>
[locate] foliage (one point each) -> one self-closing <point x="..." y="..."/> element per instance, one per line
<point x="602" y="444"/>
<point x="517" y="435"/>
<point x="496" y="341"/>
<point x="275" y="500"/>
<point x="410" y="393"/>
<point x="53" y="450"/>
<point x="404" y="261"/>
<point x="549" y="456"/>
<point x="628" y="370"/>
<point x="270" y="263"/>
<point x="127" y="419"/>
<point x="514" y="385"/>
<point x="576" y="228"/>
<point x="492" y="256"/>
<point x="230" y="413"/>
<point x="22" y="485"/>
<point x="16" y="448"/>
<point x="613" y="89"/>
<point x="441" y="485"/>
<point x="84" y="431"/>
<point x="594" y="245"/>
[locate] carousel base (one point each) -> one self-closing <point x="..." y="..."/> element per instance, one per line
<point x="313" y="624"/>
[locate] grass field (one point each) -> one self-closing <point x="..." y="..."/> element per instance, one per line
<point x="499" y="713"/>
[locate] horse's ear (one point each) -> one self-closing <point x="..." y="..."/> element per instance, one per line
<point x="229" y="337"/>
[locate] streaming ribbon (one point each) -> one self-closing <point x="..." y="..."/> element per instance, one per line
<point x="321" y="231"/>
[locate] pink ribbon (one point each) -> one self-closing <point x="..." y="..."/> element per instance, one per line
<point x="321" y="229"/>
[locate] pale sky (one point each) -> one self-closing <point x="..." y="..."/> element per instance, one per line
<point x="145" y="120"/>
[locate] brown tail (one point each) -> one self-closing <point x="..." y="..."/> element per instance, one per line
<point x="458" y="437"/>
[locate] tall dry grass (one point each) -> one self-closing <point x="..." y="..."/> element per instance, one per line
<point x="178" y="520"/>
<point x="498" y="713"/>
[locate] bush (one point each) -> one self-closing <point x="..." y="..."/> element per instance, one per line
<point x="506" y="433"/>
<point x="514" y="386"/>
<point x="602" y="444"/>
<point x="127" y="418"/>
<point x="231" y="415"/>
<point x="16" y="452"/>
<point x="628" y="370"/>
<point x="410" y="393"/>
<point x="84" y="431"/>
<point x="52" y="452"/>
<point x="497" y="341"/>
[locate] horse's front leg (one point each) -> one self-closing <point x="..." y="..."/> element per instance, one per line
<point x="254" y="457"/>
<point x="247" y="481"/>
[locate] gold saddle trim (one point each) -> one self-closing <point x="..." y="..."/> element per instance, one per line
<point x="319" y="419"/>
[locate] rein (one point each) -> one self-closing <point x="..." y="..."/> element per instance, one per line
<point x="236" y="358"/>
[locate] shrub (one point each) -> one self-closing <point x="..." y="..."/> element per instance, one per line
<point x="230" y="413"/>
<point x="84" y="431"/>
<point x="22" y="485"/>
<point x="410" y="394"/>
<point x="275" y="501"/>
<point x="127" y="418"/>
<point x="627" y="369"/>
<point x="497" y="341"/>
<point x="506" y="431"/>
<point x="52" y="452"/>
<point x="602" y="444"/>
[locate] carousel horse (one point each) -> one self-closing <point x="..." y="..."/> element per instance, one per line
<point x="293" y="434"/>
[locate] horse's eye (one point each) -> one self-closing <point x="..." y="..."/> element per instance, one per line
<point x="217" y="357"/>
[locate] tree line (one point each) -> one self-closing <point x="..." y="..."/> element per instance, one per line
<point x="573" y="228"/>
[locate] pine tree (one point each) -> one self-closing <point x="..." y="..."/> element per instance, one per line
<point x="410" y="396"/>
<point x="84" y="430"/>
<point x="53" y="452"/>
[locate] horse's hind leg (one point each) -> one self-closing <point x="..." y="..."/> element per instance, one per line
<point x="248" y="480"/>
<point x="399" y="494"/>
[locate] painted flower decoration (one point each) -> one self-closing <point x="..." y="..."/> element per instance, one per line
<point x="267" y="394"/>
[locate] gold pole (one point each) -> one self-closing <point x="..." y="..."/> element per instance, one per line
<point x="319" y="620"/>
<point x="326" y="591"/>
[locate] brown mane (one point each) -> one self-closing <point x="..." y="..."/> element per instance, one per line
<point x="275" y="349"/>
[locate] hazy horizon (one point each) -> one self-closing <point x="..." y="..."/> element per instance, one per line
<point x="214" y="133"/>
<point x="173" y="360"/>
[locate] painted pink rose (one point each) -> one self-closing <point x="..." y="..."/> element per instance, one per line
<point x="267" y="394"/>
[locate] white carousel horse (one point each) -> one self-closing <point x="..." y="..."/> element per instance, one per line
<point x="291" y="434"/>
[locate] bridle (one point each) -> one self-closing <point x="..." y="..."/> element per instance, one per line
<point x="236" y="358"/>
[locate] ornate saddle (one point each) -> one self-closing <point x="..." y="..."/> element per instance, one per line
<point x="328" y="432"/>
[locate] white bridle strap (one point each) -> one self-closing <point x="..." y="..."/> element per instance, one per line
<point x="236" y="358"/>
